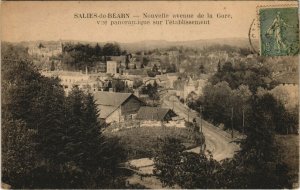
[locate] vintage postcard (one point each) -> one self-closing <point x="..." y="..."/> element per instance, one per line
<point x="149" y="94"/>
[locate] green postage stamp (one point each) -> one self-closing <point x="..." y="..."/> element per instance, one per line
<point x="279" y="31"/>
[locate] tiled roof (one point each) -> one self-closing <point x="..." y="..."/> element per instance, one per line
<point x="110" y="98"/>
<point x="152" y="113"/>
<point x="105" y="111"/>
<point x="108" y="102"/>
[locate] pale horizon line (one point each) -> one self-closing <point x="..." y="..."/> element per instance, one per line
<point x="123" y="42"/>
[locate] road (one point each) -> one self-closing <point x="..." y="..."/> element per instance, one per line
<point x="217" y="141"/>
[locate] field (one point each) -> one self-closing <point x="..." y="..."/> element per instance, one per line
<point x="140" y="142"/>
<point x="289" y="147"/>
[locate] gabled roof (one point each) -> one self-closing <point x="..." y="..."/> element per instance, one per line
<point x="111" y="98"/>
<point x="108" y="102"/>
<point x="152" y="113"/>
<point x="105" y="111"/>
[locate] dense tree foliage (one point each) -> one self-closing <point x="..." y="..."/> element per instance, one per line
<point x="258" y="164"/>
<point x="151" y="90"/>
<point x="252" y="75"/>
<point x="49" y="140"/>
<point x="226" y="98"/>
<point x="232" y="107"/>
<point x="167" y="160"/>
<point x="78" y="56"/>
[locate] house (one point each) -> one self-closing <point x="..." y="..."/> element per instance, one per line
<point x="69" y="78"/>
<point x="101" y="67"/>
<point x="188" y="88"/>
<point x="116" y="107"/>
<point x="111" y="67"/>
<point x="172" y="77"/>
<point x="135" y="72"/>
<point x="155" y="114"/>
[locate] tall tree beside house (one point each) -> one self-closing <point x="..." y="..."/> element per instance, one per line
<point x="127" y="61"/>
<point x="75" y="149"/>
<point x="29" y="113"/>
<point x="93" y="131"/>
<point x="48" y="140"/>
<point x="151" y="90"/>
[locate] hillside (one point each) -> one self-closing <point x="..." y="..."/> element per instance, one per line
<point x="160" y="44"/>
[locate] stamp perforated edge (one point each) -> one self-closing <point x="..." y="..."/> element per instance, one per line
<point x="258" y="7"/>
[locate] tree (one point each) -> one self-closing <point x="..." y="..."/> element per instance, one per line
<point x="250" y="74"/>
<point x="41" y="46"/>
<point x="52" y="68"/>
<point x="186" y="169"/>
<point x="145" y="61"/>
<point x="18" y="152"/>
<point x="111" y="49"/>
<point x="127" y="61"/>
<point x="49" y="140"/>
<point x="171" y="68"/>
<point x="28" y="115"/>
<point x="201" y="69"/>
<point x="167" y="160"/>
<point x="119" y="85"/>
<point x="198" y="171"/>
<point x="216" y="101"/>
<point x="97" y="50"/>
<point x="155" y="69"/>
<point x="259" y="157"/>
<point x="151" y="73"/>
<point x="151" y="90"/>
<point x="219" y="67"/>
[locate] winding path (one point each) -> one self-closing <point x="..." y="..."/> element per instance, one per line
<point x="217" y="140"/>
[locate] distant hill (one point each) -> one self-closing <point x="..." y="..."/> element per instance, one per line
<point x="152" y="44"/>
<point x="160" y="44"/>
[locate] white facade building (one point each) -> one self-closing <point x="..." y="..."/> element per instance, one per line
<point x="111" y="67"/>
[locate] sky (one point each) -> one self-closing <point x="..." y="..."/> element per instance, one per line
<point x="40" y="20"/>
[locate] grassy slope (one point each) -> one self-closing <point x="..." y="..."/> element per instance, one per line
<point x="141" y="142"/>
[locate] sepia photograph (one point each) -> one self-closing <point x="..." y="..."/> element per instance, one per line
<point x="149" y="95"/>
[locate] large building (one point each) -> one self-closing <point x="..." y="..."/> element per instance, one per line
<point x="68" y="79"/>
<point x="116" y="107"/>
<point x="112" y="67"/>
